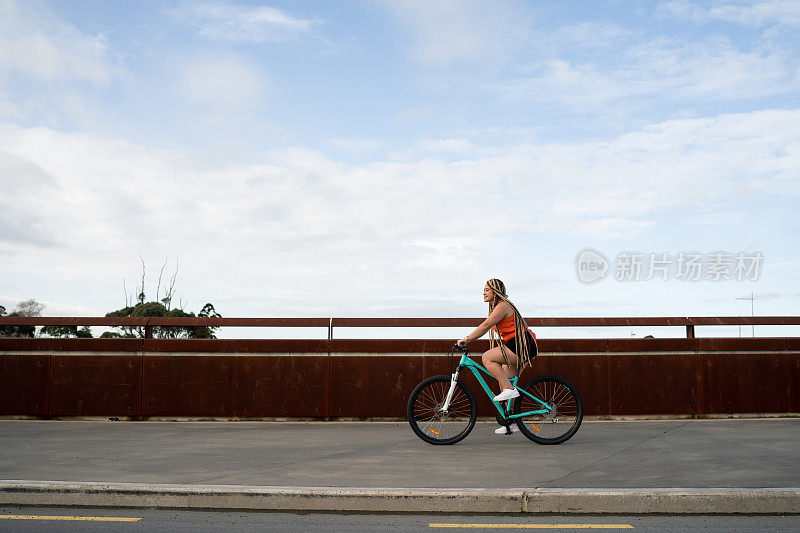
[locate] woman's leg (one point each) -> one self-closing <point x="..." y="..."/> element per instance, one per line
<point x="510" y="370"/>
<point x="494" y="362"/>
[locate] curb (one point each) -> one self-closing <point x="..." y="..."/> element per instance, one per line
<point x="663" y="501"/>
<point x="450" y="500"/>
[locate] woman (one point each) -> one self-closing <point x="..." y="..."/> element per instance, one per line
<point x="516" y="348"/>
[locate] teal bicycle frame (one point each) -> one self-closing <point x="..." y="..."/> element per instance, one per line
<point x="476" y="370"/>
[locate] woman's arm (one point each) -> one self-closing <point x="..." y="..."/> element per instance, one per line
<point x="501" y="311"/>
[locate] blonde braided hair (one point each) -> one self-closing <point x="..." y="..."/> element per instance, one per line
<point x="520" y="327"/>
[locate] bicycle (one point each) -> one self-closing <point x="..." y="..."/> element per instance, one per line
<point x="442" y="409"/>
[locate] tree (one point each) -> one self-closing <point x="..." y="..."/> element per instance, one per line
<point x="26" y="308"/>
<point x="67" y="331"/>
<point x="29" y="308"/>
<point x="157" y="309"/>
<point x="7" y="331"/>
<point x="161" y="308"/>
<point x="33" y="308"/>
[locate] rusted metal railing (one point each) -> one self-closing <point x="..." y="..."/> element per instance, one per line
<point x="148" y="323"/>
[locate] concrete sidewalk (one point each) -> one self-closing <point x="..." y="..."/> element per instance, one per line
<point x="330" y="456"/>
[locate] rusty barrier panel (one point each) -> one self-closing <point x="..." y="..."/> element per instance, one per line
<point x="582" y="362"/>
<point x="372" y="385"/>
<point x="190" y="345"/>
<point x="742" y="344"/>
<point x="97" y="345"/>
<point x="24" y="344"/>
<point x="648" y="346"/>
<point x="376" y="380"/>
<point x="744" y="383"/>
<point x="282" y="346"/>
<point x="435" y="365"/>
<point x="95" y="385"/>
<point x="744" y="375"/>
<point x="24" y="376"/>
<point x="188" y="377"/>
<point x="654" y="384"/>
<point x="188" y="384"/>
<point x="654" y="376"/>
<point x="376" y="346"/>
<point x="280" y="385"/>
<point x="793" y="367"/>
<point x="442" y="346"/>
<point x="587" y="373"/>
<point x="556" y="346"/>
<point x="282" y="378"/>
<point x="299" y="378"/>
<point x="25" y="384"/>
<point x="83" y="383"/>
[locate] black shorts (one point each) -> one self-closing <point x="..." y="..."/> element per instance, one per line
<point x="511" y="344"/>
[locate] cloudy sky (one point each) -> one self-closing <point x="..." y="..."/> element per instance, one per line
<point x="385" y="158"/>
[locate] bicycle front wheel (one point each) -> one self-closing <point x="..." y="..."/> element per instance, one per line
<point x="430" y="422"/>
<point x="564" y="410"/>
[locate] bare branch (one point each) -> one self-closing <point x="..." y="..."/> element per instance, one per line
<point x="141" y="292"/>
<point x="160" y="273"/>
<point x="171" y="291"/>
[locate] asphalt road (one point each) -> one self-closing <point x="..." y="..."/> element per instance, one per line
<point x="751" y="453"/>
<point x="177" y="521"/>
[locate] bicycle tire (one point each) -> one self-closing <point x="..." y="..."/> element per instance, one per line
<point x="432" y="426"/>
<point x="561" y="423"/>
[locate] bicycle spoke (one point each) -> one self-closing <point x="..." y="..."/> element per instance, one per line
<point x="563" y="416"/>
<point x="427" y="416"/>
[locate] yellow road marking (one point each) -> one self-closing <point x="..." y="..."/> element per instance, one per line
<point x="537" y="526"/>
<point x="74" y="518"/>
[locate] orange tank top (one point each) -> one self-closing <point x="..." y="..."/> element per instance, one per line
<point x="505" y="328"/>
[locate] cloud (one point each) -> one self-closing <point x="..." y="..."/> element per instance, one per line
<point x="299" y="222"/>
<point x="222" y="21"/>
<point x="355" y="145"/>
<point x="778" y="12"/>
<point x="22" y="213"/>
<point x="444" y="32"/>
<point x="222" y="81"/>
<point x="35" y="44"/>
<point x="462" y="146"/>
<point x="586" y="36"/>
<point x="663" y="69"/>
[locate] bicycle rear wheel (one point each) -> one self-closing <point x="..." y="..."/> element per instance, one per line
<point x="430" y="423"/>
<point x="562" y="420"/>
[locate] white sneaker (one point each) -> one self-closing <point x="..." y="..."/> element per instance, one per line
<point x="502" y="429"/>
<point x="507" y="394"/>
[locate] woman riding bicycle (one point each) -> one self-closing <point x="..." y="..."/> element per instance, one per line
<point x="516" y="348"/>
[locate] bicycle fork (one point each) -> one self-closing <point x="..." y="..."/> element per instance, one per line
<point x="449" y="397"/>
